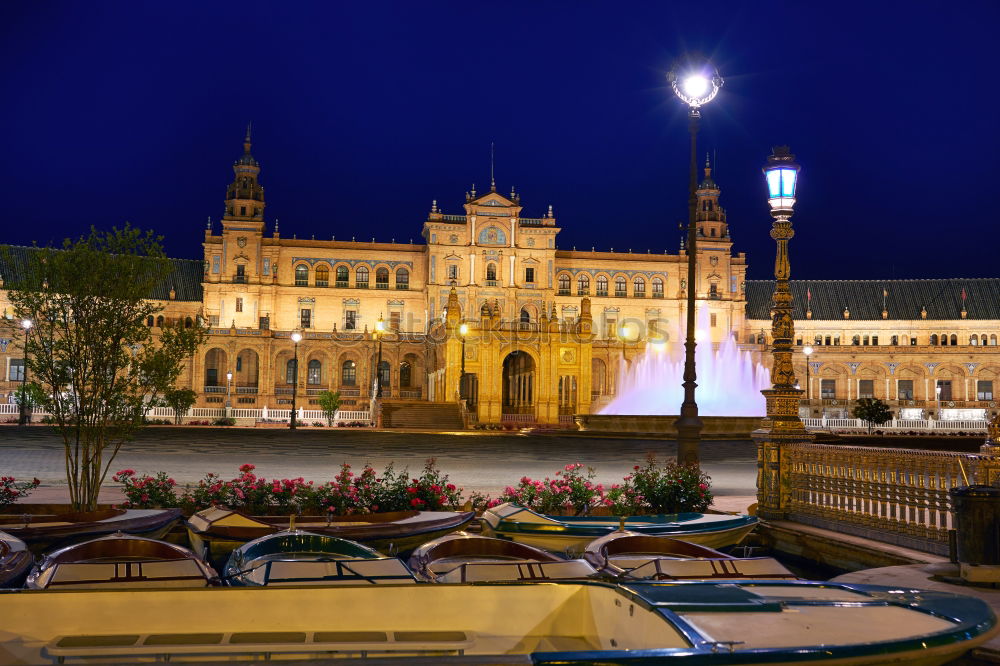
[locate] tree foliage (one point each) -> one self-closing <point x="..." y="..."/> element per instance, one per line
<point x="98" y="363"/>
<point x="180" y="400"/>
<point x="872" y="411"/>
<point x="329" y="402"/>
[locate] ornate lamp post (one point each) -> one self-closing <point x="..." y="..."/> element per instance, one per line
<point x="379" y="332"/>
<point x="229" y="385"/>
<point x="296" y="338"/>
<point x="808" y="351"/>
<point x="463" y="331"/>
<point x="696" y="85"/>
<point x="23" y="417"/>
<point x="781" y="174"/>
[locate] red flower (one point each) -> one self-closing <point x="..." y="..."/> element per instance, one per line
<point x="416" y="501"/>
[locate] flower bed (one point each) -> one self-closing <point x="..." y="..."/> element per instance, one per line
<point x="11" y="490"/>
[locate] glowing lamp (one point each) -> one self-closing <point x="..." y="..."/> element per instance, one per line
<point x="463" y="330"/>
<point x="807" y="350"/>
<point x="782" y="175"/>
<point x="695" y="84"/>
<point x="26" y="324"/>
<point x="229" y="376"/>
<point x="380" y="325"/>
<point x="296" y="337"/>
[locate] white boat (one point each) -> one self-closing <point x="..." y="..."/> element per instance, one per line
<point x="579" y="622"/>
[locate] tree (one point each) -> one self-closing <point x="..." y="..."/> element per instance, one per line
<point x="31" y="395"/>
<point x="329" y="402"/>
<point x="872" y="411"/>
<point x="98" y="363"/>
<point x="180" y="400"/>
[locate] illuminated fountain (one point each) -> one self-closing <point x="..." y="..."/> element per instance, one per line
<point x="729" y="382"/>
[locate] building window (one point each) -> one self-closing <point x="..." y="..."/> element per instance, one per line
<point x="342" y="277"/>
<point x="712" y="318"/>
<point x="290" y="371"/>
<point x="243" y="211"/>
<point x="15" y="373"/>
<point x="215" y="264"/>
<point x="657" y="287"/>
<point x="934" y="340"/>
<point x="943" y="389"/>
<point x="621" y="287"/>
<point x="954" y="340"/>
<point x="452" y="271"/>
<point x="602" y="285"/>
<point x="583" y="285"/>
<point x="639" y="287"/>
<point x="301" y="275"/>
<point x="239" y="364"/>
<point x="564" y="285"/>
<point x="384" y="378"/>
<point x="149" y="321"/>
<point x="322" y="276"/>
<point x="828" y="389"/>
<point x="875" y="340"/>
<point x="348" y="373"/>
<point x="402" y="279"/>
<point x="241" y="273"/>
<point x="904" y="389"/>
<point x="713" y="290"/>
<point x="894" y="340"/>
<point x="305" y="318"/>
<point x="213" y="320"/>
<point x="382" y="278"/>
<point x="984" y="390"/>
<point x="350" y="320"/>
<point x="405" y="374"/>
<point x="974" y="340"/>
<point x="529" y="275"/>
<point x="314" y="372"/>
<point x="361" y="277"/>
<point x="394" y="320"/>
<point x="491" y="275"/>
<point x="856" y="340"/>
<point x="239" y="304"/>
<point x="610" y="328"/>
<point x="866" y="388"/>
<point x="525" y="316"/>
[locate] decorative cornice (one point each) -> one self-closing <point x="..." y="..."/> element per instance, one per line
<point x="312" y="261"/>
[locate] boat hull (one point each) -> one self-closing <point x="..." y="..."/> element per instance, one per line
<point x="15" y="561"/>
<point x="583" y="622"/>
<point x="42" y="533"/>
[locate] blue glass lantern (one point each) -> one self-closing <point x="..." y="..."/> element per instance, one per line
<point x="781" y="174"/>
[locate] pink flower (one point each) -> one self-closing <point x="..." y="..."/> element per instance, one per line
<point x="247" y="467"/>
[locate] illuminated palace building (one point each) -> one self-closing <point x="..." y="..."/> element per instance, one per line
<point x="546" y="329"/>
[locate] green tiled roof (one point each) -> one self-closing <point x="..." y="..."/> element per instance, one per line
<point x="904" y="299"/>
<point x="185" y="278"/>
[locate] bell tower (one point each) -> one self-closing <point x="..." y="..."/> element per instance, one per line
<point x="711" y="218"/>
<point x="245" y="195"/>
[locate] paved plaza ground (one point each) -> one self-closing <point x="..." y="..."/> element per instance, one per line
<point x="483" y="462"/>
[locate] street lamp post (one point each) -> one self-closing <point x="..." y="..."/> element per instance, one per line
<point x="378" y="332"/>
<point x="296" y="338"/>
<point x="23" y="416"/>
<point x="229" y="385"/>
<point x="695" y="85"/>
<point x="808" y="351"/>
<point x="781" y="175"/>
<point x="463" y="331"/>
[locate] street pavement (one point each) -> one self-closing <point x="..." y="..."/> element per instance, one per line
<point x="483" y="462"/>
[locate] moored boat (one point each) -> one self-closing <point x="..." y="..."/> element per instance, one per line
<point x="578" y="622"/>
<point x="44" y="532"/>
<point x="571" y="534"/>
<point x="468" y="558"/>
<point x="642" y="557"/>
<point x="215" y="532"/>
<point x="15" y="561"/>
<point x="121" y="561"/>
<point x="295" y="557"/>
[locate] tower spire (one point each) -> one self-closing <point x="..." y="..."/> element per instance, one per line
<point x="246" y="140"/>
<point x="493" y="183"/>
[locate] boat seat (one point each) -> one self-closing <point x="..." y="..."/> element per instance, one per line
<point x="709" y="569"/>
<point x="259" y="642"/>
<point x="518" y="570"/>
<point x="385" y="571"/>
<point x="171" y="573"/>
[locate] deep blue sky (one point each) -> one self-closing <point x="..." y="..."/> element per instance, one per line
<point x="365" y="111"/>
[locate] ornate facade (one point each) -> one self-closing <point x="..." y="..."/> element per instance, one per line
<point x="546" y="327"/>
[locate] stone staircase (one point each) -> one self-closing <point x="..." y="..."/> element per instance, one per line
<point x="421" y="414"/>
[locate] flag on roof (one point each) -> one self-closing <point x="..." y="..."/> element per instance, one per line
<point x="963" y="294"/>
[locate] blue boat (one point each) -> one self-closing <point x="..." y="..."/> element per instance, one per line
<point x="296" y="557"/>
<point x="572" y="534"/>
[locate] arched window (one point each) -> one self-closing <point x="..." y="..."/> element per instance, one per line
<point x="361" y="277"/>
<point x="974" y="340"/>
<point x="382" y="278"/>
<point x="491" y="274"/>
<point x="583" y="285"/>
<point x="621" y="287"/>
<point x="818" y="340"/>
<point x="954" y="339"/>
<point x="149" y="321"/>
<point x="657" y="287"/>
<point x="564" y="284"/>
<point x="384" y="374"/>
<point x="933" y="340"/>
<point x="525" y="316"/>
<point x="314" y="372"/>
<point x="342" y="276"/>
<point x="188" y="322"/>
<point x="405" y="374"/>
<point x="402" y="279"/>
<point x="856" y="340"/>
<point x="290" y="371"/>
<point x="639" y="287"/>
<point x="894" y="340"/>
<point x="322" y="276"/>
<point x="348" y="373"/>
<point x="993" y="340"/>
<point x="301" y="275"/>
<point x="602" y="285"/>
<point x="159" y="321"/>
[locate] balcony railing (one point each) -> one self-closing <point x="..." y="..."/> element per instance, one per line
<point x="602" y="292"/>
<point x="342" y="284"/>
<point x="491" y="283"/>
<point x="621" y="294"/>
<point x="215" y="389"/>
<point x="564" y="292"/>
<point x="360" y="285"/>
<point x="402" y="286"/>
<point x="583" y="292"/>
<point x="246" y="390"/>
<point x="381" y="285"/>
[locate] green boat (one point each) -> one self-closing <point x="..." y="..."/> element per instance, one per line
<point x="296" y="557"/>
<point x="572" y="534"/>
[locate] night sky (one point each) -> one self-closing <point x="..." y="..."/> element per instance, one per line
<point x="363" y="112"/>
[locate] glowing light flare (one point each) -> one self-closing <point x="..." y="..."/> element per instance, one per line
<point x="26" y="324"/>
<point x="700" y="335"/>
<point x="695" y="85"/>
<point x="463" y="330"/>
<point x="807" y="350"/>
<point x="380" y="325"/>
<point x="296" y="337"/>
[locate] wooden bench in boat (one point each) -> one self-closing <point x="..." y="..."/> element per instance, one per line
<point x="259" y="642"/>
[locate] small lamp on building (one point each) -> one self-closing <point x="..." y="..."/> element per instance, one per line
<point x="296" y="338"/>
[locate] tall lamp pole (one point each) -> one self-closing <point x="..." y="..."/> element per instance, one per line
<point x="23" y="417"/>
<point x="229" y="385"/>
<point x="463" y="331"/>
<point x="695" y="85"/>
<point x="808" y="351"/>
<point x="781" y="174"/>
<point x="296" y="338"/>
<point x="378" y="332"/>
